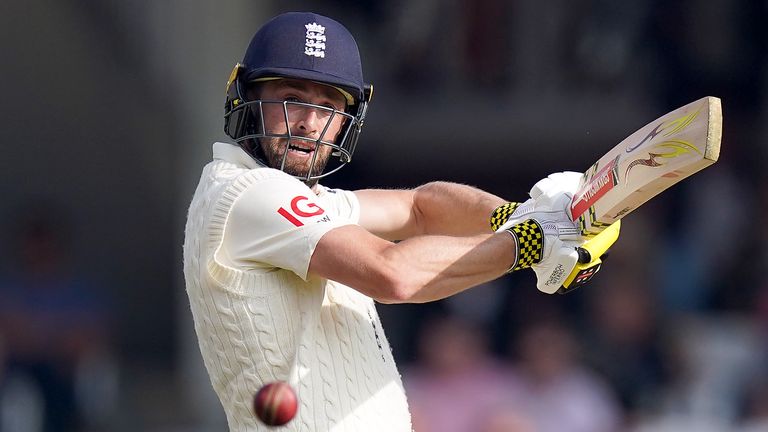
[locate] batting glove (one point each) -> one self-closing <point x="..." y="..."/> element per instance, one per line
<point x="565" y="183"/>
<point x="540" y="246"/>
<point x="550" y="200"/>
<point x="548" y="241"/>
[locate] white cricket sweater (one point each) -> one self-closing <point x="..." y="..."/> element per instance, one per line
<point x="258" y="322"/>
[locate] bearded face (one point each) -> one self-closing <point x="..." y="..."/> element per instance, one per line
<point x="309" y="113"/>
<point x="301" y="158"/>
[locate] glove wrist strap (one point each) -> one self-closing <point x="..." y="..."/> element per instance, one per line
<point x="529" y="238"/>
<point x="501" y="214"/>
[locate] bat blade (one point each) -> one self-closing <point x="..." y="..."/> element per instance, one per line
<point x="646" y="163"/>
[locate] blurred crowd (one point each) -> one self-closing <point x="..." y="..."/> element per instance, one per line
<point x="615" y="362"/>
<point x="672" y="335"/>
<point x="57" y="371"/>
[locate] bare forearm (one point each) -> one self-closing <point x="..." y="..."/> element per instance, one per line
<point x="453" y="209"/>
<point x="420" y="269"/>
<point x="434" y="267"/>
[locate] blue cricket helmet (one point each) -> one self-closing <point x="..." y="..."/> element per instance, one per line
<point x="299" y="45"/>
<point x="309" y="46"/>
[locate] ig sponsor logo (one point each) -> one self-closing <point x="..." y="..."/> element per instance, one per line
<point x="301" y="209"/>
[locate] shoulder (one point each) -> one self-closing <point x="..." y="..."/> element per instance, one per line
<point x="342" y="202"/>
<point x="226" y="187"/>
<point x="266" y="186"/>
<point x="233" y="181"/>
<point x="324" y="192"/>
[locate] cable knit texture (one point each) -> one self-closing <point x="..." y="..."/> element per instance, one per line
<point x="254" y="327"/>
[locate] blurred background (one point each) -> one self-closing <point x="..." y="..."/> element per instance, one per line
<point x="109" y="108"/>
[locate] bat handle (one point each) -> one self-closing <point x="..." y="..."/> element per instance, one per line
<point x="595" y="247"/>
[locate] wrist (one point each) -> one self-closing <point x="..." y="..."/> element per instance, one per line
<point x="501" y="214"/>
<point x="529" y="242"/>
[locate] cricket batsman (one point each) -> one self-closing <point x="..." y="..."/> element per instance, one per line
<point x="283" y="273"/>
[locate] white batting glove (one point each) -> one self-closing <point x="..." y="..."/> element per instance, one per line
<point x="546" y="236"/>
<point x="550" y="200"/>
<point x="556" y="191"/>
<point x="547" y="239"/>
<point x="540" y="245"/>
<point x="566" y="182"/>
<point x="555" y="267"/>
<point x="513" y="213"/>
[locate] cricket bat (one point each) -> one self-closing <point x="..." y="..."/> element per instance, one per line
<point x="657" y="156"/>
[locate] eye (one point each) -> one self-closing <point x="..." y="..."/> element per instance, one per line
<point x="333" y="105"/>
<point x="292" y="99"/>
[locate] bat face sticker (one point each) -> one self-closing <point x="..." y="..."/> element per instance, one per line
<point x="667" y="128"/>
<point x="665" y="150"/>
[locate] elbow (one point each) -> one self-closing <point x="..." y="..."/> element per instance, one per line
<point x="392" y="279"/>
<point x="395" y="289"/>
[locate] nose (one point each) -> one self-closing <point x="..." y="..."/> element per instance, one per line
<point x="309" y="121"/>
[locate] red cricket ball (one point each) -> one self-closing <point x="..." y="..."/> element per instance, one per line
<point x="275" y="404"/>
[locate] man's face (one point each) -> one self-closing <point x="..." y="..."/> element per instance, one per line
<point x="302" y="121"/>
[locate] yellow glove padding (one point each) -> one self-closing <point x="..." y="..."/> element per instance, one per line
<point x="589" y="258"/>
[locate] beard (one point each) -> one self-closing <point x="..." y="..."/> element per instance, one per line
<point x="274" y="149"/>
